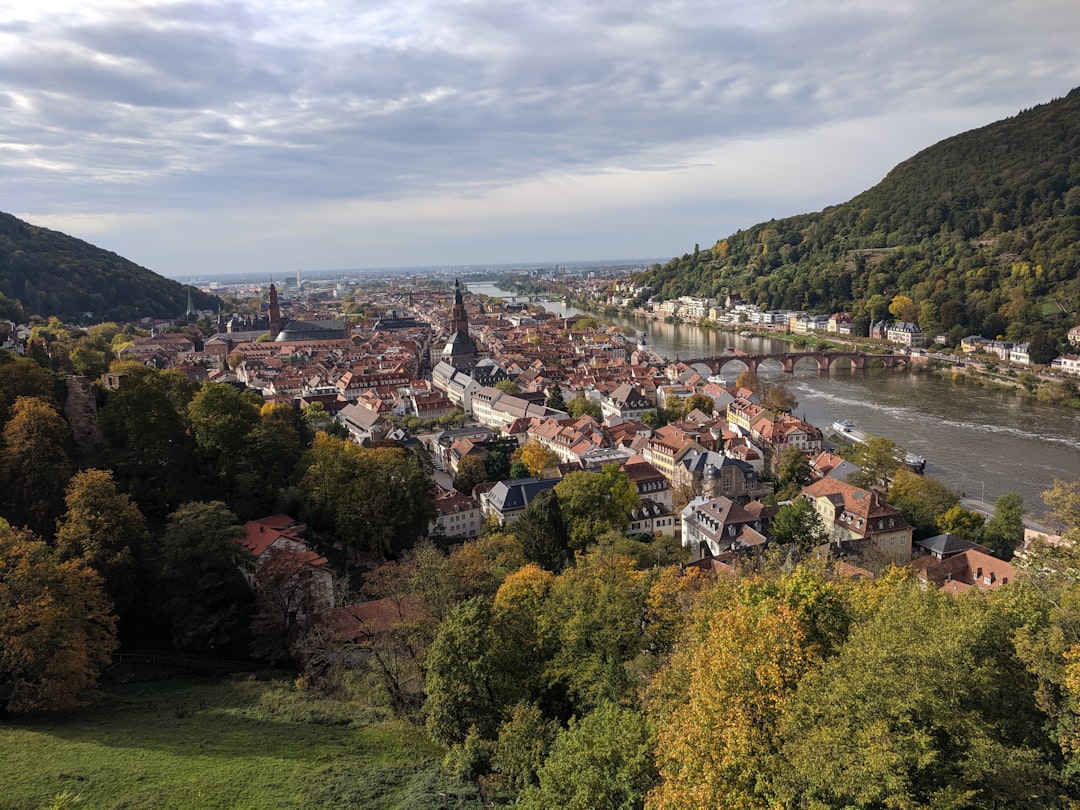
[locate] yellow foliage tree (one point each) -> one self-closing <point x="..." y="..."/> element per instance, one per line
<point x="57" y="631"/>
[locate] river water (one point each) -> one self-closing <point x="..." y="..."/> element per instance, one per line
<point x="982" y="442"/>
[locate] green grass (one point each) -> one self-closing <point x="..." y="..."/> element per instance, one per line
<point x="223" y="744"/>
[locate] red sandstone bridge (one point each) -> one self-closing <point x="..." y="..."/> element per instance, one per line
<point x="788" y="360"/>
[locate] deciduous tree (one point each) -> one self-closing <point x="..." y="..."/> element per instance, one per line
<point x="35" y="466"/>
<point x="537" y="457"/>
<point x="105" y="529"/>
<point x="206" y="600"/>
<point x="605" y="759"/>
<point x="57" y="631"/>
<point x="594" y="503"/>
<point x="799" y="525"/>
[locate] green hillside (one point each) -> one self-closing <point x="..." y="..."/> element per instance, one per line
<point x="51" y="273"/>
<point x="981" y="231"/>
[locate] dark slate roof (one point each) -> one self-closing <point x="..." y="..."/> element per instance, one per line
<point x="312" y="330"/>
<point x="945" y="545"/>
<point x="516" y="493"/>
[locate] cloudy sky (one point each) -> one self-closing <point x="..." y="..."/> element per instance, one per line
<point x="205" y="138"/>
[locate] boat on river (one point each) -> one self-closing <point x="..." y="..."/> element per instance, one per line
<point x="846" y="430"/>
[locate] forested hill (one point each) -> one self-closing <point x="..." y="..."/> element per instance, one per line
<point x="981" y="231"/>
<point x="51" y="273"/>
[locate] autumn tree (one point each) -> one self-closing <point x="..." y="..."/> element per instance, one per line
<point x="537" y="457"/>
<point x="700" y="402"/>
<point x="205" y="598"/>
<point x="22" y="377"/>
<point x="104" y="528"/>
<point x="57" y="632"/>
<point x="925" y="705"/>
<point x="593" y="503"/>
<point x="35" y="466"/>
<point x="719" y="702"/>
<point x="285" y="592"/>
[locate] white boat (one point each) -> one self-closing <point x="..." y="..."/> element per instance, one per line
<point x="846" y="430"/>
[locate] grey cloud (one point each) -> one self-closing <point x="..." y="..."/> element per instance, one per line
<point x="197" y="99"/>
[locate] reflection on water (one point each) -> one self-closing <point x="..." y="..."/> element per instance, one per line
<point x="981" y="441"/>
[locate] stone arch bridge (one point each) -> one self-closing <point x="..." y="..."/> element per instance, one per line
<point x="788" y="360"/>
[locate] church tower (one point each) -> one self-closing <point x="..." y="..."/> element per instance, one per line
<point x="460" y="349"/>
<point x="459" y="319"/>
<point x="275" y="313"/>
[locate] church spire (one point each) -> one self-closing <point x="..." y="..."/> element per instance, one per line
<point x="459" y="319"/>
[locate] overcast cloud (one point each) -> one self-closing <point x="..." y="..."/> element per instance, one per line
<point x="201" y="138"/>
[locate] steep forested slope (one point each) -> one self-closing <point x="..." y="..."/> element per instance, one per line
<point x="981" y="231"/>
<point x="52" y="273"/>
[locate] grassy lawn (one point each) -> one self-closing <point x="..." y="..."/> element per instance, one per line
<point x="223" y="744"/>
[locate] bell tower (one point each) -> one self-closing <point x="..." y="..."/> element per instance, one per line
<point x="275" y="313"/>
<point x="459" y="319"/>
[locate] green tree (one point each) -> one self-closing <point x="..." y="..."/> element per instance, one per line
<point x="206" y="601"/>
<point x="799" y="525"/>
<point x="1005" y="530"/>
<point x="592" y="623"/>
<point x="35" y="466"/>
<point x="555" y="399"/>
<point x="147" y="442"/>
<point x="22" y="377"/>
<point x="594" y="503"/>
<point x="877" y="460"/>
<point x="792" y="473"/>
<point x="700" y="402"/>
<point x="542" y="532"/>
<point x="961" y="522"/>
<point x="605" y="759"/>
<point x="470" y="472"/>
<point x="583" y="406"/>
<point x="466" y="686"/>
<point x="924" y="706"/>
<point x="379" y="501"/>
<point x="57" y="632"/>
<point x="104" y="528"/>
<point x="221" y="418"/>
<point x="508" y="387"/>
<point x="922" y="499"/>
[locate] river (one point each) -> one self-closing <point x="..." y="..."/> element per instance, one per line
<point x="980" y="441"/>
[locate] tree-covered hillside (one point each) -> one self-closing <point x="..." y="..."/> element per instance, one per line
<point x="51" y="273"/>
<point x="980" y="231"/>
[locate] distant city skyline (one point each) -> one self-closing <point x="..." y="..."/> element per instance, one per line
<point x="256" y="137"/>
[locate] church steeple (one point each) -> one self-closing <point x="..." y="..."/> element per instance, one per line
<point x="459" y="319"/>
<point x="275" y="313"/>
